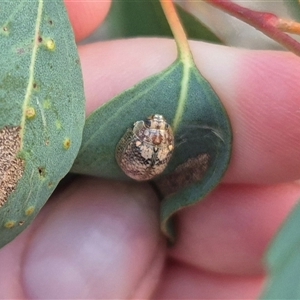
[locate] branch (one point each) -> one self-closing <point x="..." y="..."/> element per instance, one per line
<point x="268" y="23"/>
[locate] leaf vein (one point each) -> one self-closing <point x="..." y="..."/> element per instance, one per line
<point x="183" y="95"/>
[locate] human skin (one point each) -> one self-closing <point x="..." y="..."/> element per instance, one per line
<point x="100" y="239"/>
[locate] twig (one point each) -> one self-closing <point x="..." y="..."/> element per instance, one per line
<point x="268" y="23"/>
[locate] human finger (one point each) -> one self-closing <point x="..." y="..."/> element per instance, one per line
<point x="181" y="281"/>
<point x="230" y="231"/>
<point x="95" y="239"/>
<point x="86" y="16"/>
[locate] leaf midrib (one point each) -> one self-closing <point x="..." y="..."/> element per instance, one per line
<point x="187" y="67"/>
<point x="31" y="68"/>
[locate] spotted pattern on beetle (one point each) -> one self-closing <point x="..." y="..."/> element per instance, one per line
<point x="11" y="167"/>
<point x="145" y="150"/>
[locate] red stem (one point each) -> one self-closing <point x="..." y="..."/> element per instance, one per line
<point x="264" y="22"/>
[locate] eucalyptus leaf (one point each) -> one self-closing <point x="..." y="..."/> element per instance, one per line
<point x="293" y="7"/>
<point x="200" y="124"/>
<point x="42" y="108"/>
<point x="283" y="261"/>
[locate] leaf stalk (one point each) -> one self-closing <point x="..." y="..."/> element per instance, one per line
<point x="170" y="12"/>
<point x="184" y="54"/>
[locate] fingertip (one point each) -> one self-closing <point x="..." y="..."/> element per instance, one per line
<point x="230" y="231"/>
<point x="111" y="67"/>
<point x="182" y="281"/>
<point x="93" y="235"/>
<point x="86" y="16"/>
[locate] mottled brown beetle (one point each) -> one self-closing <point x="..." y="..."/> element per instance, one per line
<point x="145" y="150"/>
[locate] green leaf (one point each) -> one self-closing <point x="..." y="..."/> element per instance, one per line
<point x="201" y="127"/>
<point x="283" y="261"/>
<point x="293" y="7"/>
<point x="146" y="18"/>
<point x="42" y="108"/>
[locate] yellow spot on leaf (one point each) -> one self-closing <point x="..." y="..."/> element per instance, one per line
<point x="10" y="224"/>
<point x="50" y="185"/>
<point x="50" y="45"/>
<point x="47" y="104"/>
<point x="29" y="211"/>
<point x="67" y="143"/>
<point x="58" y="124"/>
<point x="30" y="113"/>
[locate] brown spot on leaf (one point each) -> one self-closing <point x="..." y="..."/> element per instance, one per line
<point x="11" y="167"/>
<point x="67" y="143"/>
<point x="42" y="171"/>
<point x="192" y="171"/>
